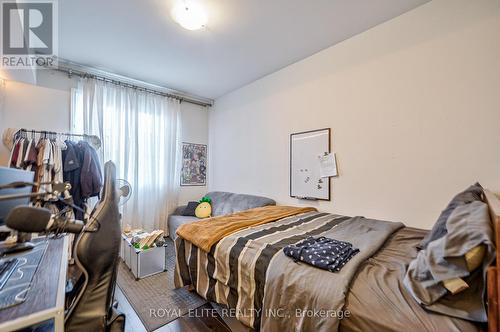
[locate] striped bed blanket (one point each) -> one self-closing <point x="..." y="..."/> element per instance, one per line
<point x="248" y="272"/>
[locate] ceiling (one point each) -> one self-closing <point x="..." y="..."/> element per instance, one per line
<point x="244" y="39"/>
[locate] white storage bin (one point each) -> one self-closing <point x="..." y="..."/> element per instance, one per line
<point x="122" y="247"/>
<point x="144" y="263"/>
<point x="126" y="251"/>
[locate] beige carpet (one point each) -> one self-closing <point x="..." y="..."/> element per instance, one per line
<point x="156" y="294"/>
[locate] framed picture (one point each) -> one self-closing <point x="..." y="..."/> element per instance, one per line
<point x="307" y="149"/>
<point x="194" y="164"/>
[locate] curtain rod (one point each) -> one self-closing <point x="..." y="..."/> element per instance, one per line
<point x="77" y="70"/>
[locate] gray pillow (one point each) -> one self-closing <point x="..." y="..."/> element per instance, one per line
<point x="224" y="203"/>
<point x="472" y="194"/>
<point x="467" y="227"/>
<point x="190" y="209"/>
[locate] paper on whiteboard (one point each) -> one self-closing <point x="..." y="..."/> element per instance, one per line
<point x="327" y="165"/>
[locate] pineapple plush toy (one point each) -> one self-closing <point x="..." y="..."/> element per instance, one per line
<point x="204" y="209"/>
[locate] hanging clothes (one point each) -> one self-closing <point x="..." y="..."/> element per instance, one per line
<point x="82" y="170"/>
<point x="91" y="177"/>
<point x="30" y="155"/>
<point x="57" y="161"/>
<point x="72" y="166"/>
<point x="57" y="148"/>
<point x="45" y="165"/>
<point x="14" y="154"/>
<point x="21" y="152"/>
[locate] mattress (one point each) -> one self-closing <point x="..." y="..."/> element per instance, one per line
<point x="378" y="301"/>
<point x="247" y="271"/>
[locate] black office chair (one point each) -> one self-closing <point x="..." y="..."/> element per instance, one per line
<point x="96" y="254"/>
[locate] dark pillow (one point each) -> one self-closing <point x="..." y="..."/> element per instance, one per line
<point x="471" y="194"/>
<point x="190" y="208"/>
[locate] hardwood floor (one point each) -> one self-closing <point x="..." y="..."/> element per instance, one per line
<point x="201" y="322"/>
<point x="204" y="319"/>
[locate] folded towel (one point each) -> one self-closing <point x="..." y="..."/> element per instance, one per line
<point x="325" y="253"/>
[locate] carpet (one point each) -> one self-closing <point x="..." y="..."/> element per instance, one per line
<point x="154" y="298"/>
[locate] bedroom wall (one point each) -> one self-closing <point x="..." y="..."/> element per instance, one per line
<point x="194" y="130"/>
<point x="31" y="106"/>
<point x="46" y="106"/>
<point x="414" y="107"/>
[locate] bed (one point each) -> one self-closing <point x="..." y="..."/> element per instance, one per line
<point x="247" y="272"/>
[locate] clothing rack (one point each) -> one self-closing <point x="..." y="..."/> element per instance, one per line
<point x="46" y="153"/>
<point x="94" y="139"/>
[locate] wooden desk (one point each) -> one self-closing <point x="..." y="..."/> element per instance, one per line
<point x="45" y="300"/>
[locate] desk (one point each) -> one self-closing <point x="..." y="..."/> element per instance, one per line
<point x="45" y="300"/>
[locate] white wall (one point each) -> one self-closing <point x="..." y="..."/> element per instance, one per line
<point x="414" y="107"/>
<point x="194" y="130"/>
<point x="33" y="107"/>
<point x="46" y="106"/>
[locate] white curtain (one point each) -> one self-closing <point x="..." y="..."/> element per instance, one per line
<point x="140" y="133"/>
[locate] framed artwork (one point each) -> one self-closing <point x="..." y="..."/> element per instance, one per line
<point x="307" y="149"/>
<point x="194" y="164"/>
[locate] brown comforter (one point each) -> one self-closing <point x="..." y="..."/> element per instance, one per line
<point x="204" y="234"/>
<point x="378" y="300"/>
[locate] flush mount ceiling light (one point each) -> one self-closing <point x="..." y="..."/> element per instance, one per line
<point x="190" y="15"/>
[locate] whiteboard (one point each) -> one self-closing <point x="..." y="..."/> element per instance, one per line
<point x="305" y="150"/>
